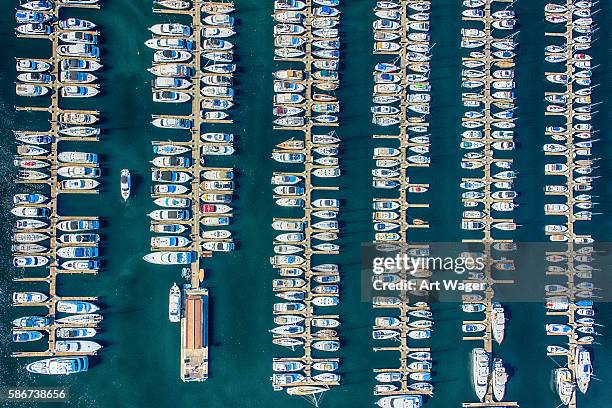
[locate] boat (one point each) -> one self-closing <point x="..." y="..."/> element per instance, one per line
<point x="76" y="24"/>
<point x="77" y="346"/>
<point x="31" y="322"/>
<point x="59" y="365"/>
<point x="30" y="261"/>
<point x="171" y="29"/>
<point x="480" y="372"/>
<point x="77" y="252"/>
<point x="31" y="65"/>
<point x="21" y="298"/>
<point x="23" y="336"/>
<point x="564" y="385"/>
<point x="81" y="265"/>
<point x="583" y="368"/>
<point x="400" y="401"/>
<point x="31" y="90"/>
<point x="499" y="379"/>
<point x="76" y="307"/>
<point x="498" y="322"/>
<point x="169" y="258"/>
<point x="174" y="304"/>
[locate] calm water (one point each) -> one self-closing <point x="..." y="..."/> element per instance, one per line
<point x="139" y="367"/>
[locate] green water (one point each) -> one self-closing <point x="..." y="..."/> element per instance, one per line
<point x="139" y="366"/>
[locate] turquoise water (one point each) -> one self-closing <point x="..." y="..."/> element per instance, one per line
<point x="139" y="367"/>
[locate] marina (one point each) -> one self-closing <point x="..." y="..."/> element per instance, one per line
<point x="159" y="338"/>
<point x="193" y="197"/>
<point x="42" y="237"/>
<point x="309" y="287"/>
<point x="488" y="83"/>
<point x="401" y="35"/>
<point x="570" y="109"/>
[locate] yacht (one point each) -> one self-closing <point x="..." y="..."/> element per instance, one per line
<point x="564" y="384"/>
<point x="126" y="184"/>
<point x="499" y="379"/>
<point x="169" y="258"/>
<point x="174" y="304"/>
<point x="22" y="336"/>
<point x="76" y="307"/>
<point x="59" y="365"/>
<point x="75" y="333"/>
<point x="498" y="321"/>
<point x="480" y="372"/>
<point x="77" y="346"/>
<point x="400" y="401"/>
<point x="583" y="368"/>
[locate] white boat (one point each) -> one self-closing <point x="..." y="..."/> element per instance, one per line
<point x="169" y="258"/>
<point x="400" y="401"/>
<point x="77" y="346"/>
<point x="498" y="321"/>
<point x="76" y="307"/>
<point x="59" y="366"/>
<point x="583" y="368"/>
<point x="480" y="372"/>
<point x="499" y="379"/>
<point x="174" y="304"/>
<point x="126" y="184"/>
<point x="171" y="29"/>
<point x="564" y="385"/>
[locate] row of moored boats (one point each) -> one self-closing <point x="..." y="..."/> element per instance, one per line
<point x="569" y="144"/>
<point x="42" y="238"/>
<point x="306" y="288"/>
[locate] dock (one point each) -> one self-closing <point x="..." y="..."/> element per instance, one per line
<point x="314" y="86"/>
<point x="58" y="126"/>
<point x="489" y="133"/>
<point x="194" y="335"/>
<point x="411" y="143"/>
<point x="194" y="359"/>
<point x="570" y="129"/>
